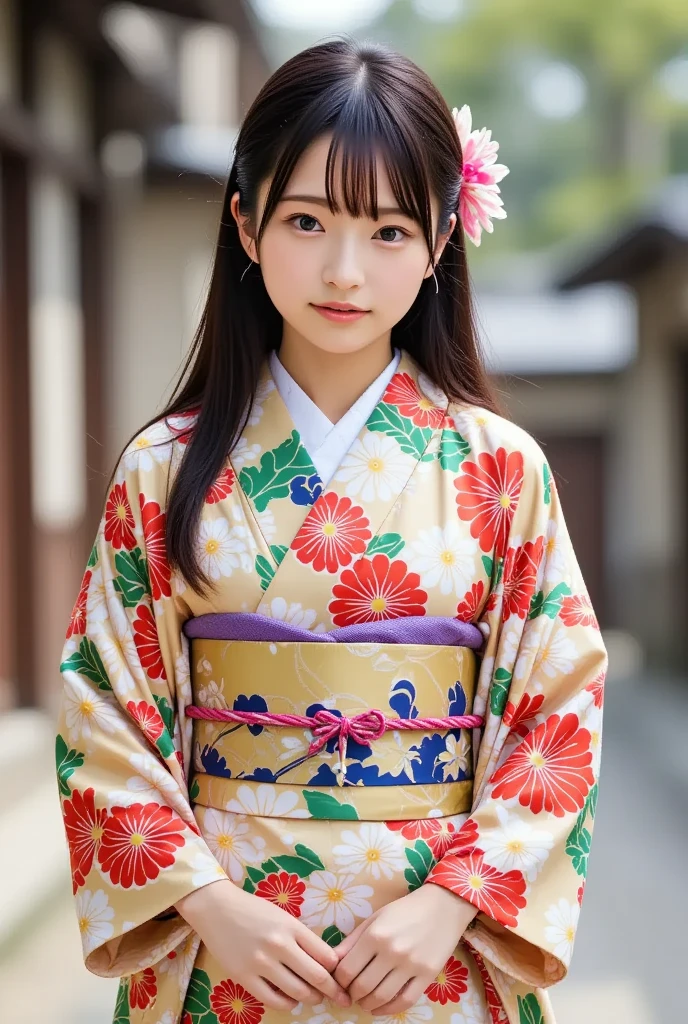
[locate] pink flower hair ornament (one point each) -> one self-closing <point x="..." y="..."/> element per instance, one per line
<point x="479" y="199"/>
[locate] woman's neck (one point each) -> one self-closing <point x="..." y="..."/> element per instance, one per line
<point x="332" y="380"/>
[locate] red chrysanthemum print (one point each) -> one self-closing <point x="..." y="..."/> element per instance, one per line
<point x="450" y="983"/>
<point x="148" y="719"/>
<point x="494" y="1004"/>
<point x="467" y="610"/>
<point x="577" y="610"/>
<point x="518" y="718"/>
<point x="139" y="842"/>
<point x="550" y="770"/>
<point x="488" y="492"/>
<point x="520" y="578"/>
<point x="403" y="392"/>
<point x="333" y="532"/>
<point x="438" y="833"/>
<point x="84" y="828"/>
<point x="143" y="989"/>
<point x="596" y="688"/>
<point x="119" y="519"/>
<point x="153" y="520"/>
<point x="284" y="890"/>
<point x="376" y="589"/>
<point x="234" y="1005"/>
<point x="499" y="894"/>
<point x="77" y="620"/>
<point x="222" y="486"/>
<point x="466" y="838"/>
<point x="148" y="643"/>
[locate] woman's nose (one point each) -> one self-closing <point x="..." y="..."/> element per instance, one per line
<point x="343" y="269"/>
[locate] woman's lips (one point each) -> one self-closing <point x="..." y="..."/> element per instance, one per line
<point x="342" y="316"/>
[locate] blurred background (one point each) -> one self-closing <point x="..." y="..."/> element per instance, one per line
<point x="116" y="129"/>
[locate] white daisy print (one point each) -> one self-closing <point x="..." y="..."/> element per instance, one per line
<point x="416" y="1014"/>
<point x="86" y="710"/>
<point x="471" y="1010"/>
<point x="265" y="802"/>
<point x="375" y="468"/>
<point x="373" y="849"/>
<point x="94" y="915"/>
<point x="266" y="522"/>
<point x="331" y="899"/>
<point x="206" y="869"/>
<point x="96" y="598"/>
<point x="516" y="845"/>
<point x="556" y="656"/>
<point x="169" y="1016"/>
<point x="553" y="559"/>
<point x="153" y="783"/>
<point x="444" y="558"/>
<point x="262" y="391"/>
<point x="563" y="918"/>
<point x="115" y="643"/>
<point x="244" y="452"/>
<point x="320" y="1015"/>
<point x="180" y="961"/>
<point x="221" y="550"/>
<point x="151" y="448"/>
<point x="229" y="840"/>
<point x="291" y="612"/>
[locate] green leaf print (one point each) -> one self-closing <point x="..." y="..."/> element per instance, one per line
<point x="197" y="1001"/>
<point x="93" y="557"/>
<point x="302" y="864"/>
<point x="386" y="419"/>
<point x="166" y="712"/>
<point x="548" y="483"/>
<point x="132" y="579"/>
<point x="265" y="568"/>
<point x="322" y="805"/>
<point x="86" y="661"/>
<point x="389" y="544"/>
<point x="591" y="801"/>
<point x="529" y="1011"/>
<point x="277" y="469"/>
<point x="453" y="449"/>
<point x="421" y="861"/>
<point x="67" y="761"/>
<point x="122" y="1005"/>
<point x="194" y="791"/>
<point x="499" y="692"/>
<point x="333" y="936"/>
<point x="578" y="844"/>
<point x="488" y="566"/>
<point x="165" y="744"/>
<point x="550" y="604"/>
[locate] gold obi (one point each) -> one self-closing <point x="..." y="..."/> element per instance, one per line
<point x="266" y="769"/>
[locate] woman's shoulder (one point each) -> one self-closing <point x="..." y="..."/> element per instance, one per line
<point x="487" y="432"/>
<point x="155" y="452"/>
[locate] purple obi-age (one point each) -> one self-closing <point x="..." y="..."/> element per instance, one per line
<point x="380" y="712"/>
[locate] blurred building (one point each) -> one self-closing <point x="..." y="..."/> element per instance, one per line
<point x="114" y="118"/>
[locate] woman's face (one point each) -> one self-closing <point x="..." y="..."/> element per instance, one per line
<point x="310" y="257"/>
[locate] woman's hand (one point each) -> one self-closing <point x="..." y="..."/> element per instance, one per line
<point x="388" y="961"/>
<point x="274" y="955"/>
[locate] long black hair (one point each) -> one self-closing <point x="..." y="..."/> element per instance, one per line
<point x="370" y="100"/>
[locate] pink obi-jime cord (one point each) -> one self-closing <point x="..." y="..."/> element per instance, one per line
<point x="363" y="728"/>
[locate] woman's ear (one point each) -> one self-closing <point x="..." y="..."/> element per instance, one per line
<point x="245" y="229"/>
<point x="441" y="242"/>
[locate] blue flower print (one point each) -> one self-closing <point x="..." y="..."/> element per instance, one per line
<point x="253" y="703"/>
<point x="305" y="490"/>
<point x="457" y="700"/>
<point x="402" y="699"/>
<point x="213" y="764"/>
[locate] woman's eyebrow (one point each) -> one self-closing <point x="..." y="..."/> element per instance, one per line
<point x="383" y="211"/>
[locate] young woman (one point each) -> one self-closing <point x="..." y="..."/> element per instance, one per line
<point x="332" y="685"/>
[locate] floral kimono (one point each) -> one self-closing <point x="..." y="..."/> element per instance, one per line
<point x="437" y="511"/>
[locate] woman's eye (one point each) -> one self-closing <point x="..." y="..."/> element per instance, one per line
<point x="392" y="230"/>
<point x="304" y="221"/>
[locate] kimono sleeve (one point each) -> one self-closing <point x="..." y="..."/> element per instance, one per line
<point x="521" y="856"/>
<point x="134" y="845"/>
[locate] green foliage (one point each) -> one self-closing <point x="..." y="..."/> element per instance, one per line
<point x="87" y="662"/>
<point x="67" y="761"/>
<point x="277" y="469"/>
<point x="389" y="544"/>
